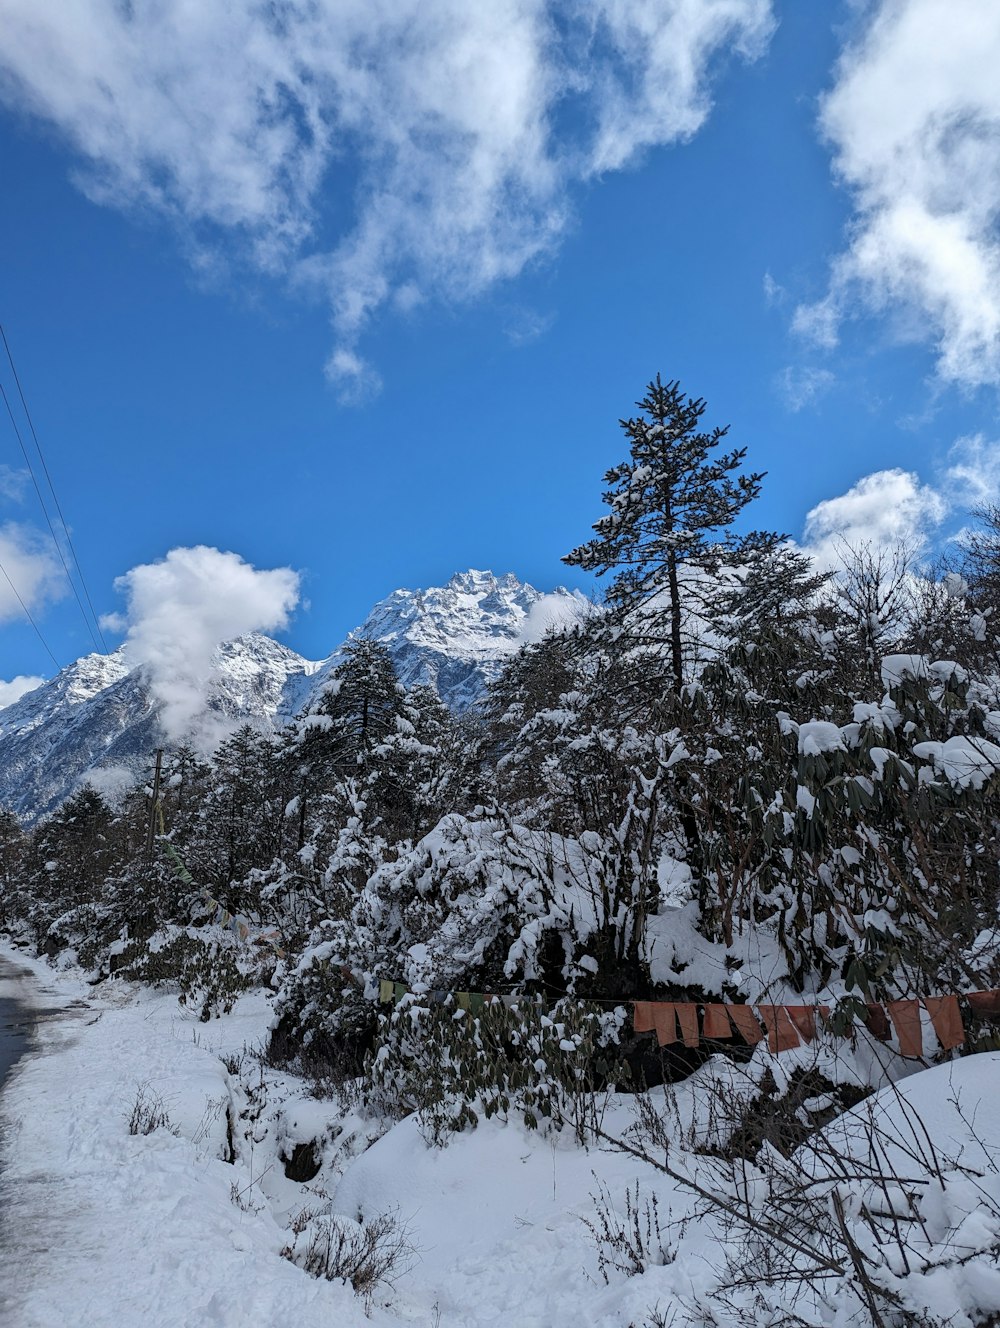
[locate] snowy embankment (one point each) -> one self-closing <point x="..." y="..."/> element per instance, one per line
<point x="105" y="1227"/>
<point x="108" y="1228"/>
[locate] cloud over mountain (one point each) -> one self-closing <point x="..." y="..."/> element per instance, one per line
<point x="180" y="609"/>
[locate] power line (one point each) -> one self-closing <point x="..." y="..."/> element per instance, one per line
<point x="41" y="500"/>
<point x="52" y="490"/>
<point x="24" y="606"/>
<point x="48" y="519"/>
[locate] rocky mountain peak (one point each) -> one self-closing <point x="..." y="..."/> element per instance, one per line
<point x="101" y="713"/>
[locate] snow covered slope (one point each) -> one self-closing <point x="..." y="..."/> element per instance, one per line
<point x="98" y="717"/>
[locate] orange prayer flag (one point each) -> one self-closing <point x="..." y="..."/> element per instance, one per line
<point x="877" y="1021"/>
<point x="804" y="1019"/>
<point x="781" y="1032"/>
<point x="746" y="1022"/>
<point x="666" y="1024"/>
<point x="687" y="1017"/>
<point x="986" y="1004"/>
<point x="905" y="1016"/>
<point x="716" y="1023"/>
<point x="947" y="1020"/>
<point x="643" y="1017"/>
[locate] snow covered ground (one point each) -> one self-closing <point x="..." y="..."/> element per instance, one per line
<point x="104" y="1227"/>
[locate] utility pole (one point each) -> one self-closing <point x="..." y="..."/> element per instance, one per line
<point x="153" y="805"/>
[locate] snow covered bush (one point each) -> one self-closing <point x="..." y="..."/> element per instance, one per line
<point x="453" y="1065"/>
<point x="324" y="1018"/>
<point x="886" y="1216"/>
<point x="208" y="969"/>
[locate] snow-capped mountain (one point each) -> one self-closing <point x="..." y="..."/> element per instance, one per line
<point x="457" y="637"/>
<point x="98" y="718"/>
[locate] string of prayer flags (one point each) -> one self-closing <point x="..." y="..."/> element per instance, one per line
<point x="877" y="1021"/>
<point x="745" y="1023"/>
<point x="177" y="863"/>
<point x="784" y="1026"/>
<point x="789" y="1026"/>
<point x="905" y="1017"/>
<point x="240" y="927"/>
<point x="663" y="1018"/>
<point x="782" y="1034"/>
<point x="803" y="1017"/>
<point x="985" y="1004"/>
<point x="389" y="992"/>
<point x="717" y="1023"/>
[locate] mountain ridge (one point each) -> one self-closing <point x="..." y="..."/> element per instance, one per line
<point x="97" y="720"/>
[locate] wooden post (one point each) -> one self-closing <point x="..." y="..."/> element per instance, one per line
<point x="153" y="805"/>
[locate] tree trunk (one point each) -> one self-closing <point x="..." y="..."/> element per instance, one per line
<point x="676" y="638"/>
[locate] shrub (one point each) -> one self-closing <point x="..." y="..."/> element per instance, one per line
<point x="206" y="969"/>
<point x="631" y="1242"/>
<point x="366" y="1255"/>
<point x="325" y="1024"/>
<point x="148" y="1112"/>
<point x="450" y="1064"/>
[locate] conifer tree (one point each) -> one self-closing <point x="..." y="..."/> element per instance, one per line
<point x="240" y="821"/>
<point x="13" y="852"/>
<point x="70" y="855"/>
<point x="362" y="703"/>
<point x="668" y="533"/>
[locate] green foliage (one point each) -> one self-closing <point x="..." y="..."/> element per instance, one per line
<point x="207" y="971"/>
<point x="324" y="1022"/>
<point x="453" y="1066"/>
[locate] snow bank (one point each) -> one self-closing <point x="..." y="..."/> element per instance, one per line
<point x="104" y="1228"/>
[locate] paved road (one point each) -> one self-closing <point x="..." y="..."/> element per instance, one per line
<point x="14" y="1028"/>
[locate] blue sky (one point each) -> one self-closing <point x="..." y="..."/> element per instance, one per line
<point x="364" y="292"/>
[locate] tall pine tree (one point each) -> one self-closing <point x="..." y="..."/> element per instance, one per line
<point x="668" y="533"/>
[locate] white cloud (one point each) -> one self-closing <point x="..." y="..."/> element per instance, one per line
<point x="891" y="507"/>
<point x="357" y="380"/>
<point x="774" y="292"/>
<point x="447" y="132"/>
<point x="803" y="385"/>
<point x="525" y="326"/>
<point x="180" y="609"/>
<point x="884" y="509"/>
<point x="30" y="568"/>
<point x="13" y="483"/>
<point x="914" y="122"/>
<point x="653" y="88"/>
<point x="973" y="472"/>
<point x="112" y="782"/>
<point x="17" y="687"/>
<point x="555" y="613"/>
